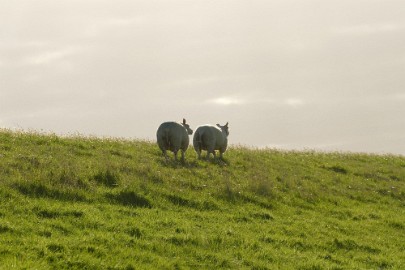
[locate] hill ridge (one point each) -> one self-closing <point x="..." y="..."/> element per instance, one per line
<point x="91" y="203"/>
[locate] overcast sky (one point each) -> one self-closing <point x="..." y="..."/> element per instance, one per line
<point x="290" y="74"/>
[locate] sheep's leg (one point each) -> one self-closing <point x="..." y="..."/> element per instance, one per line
<point x="182" y="155"/>
<point x="165" y="154"/>
<point x="175" y="154"/>
<point x="197" y="149"/>
<point x="209" y="151"/>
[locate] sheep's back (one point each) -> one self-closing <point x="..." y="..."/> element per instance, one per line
<point x="172" y="136"/>
<point x="209" y="135"/>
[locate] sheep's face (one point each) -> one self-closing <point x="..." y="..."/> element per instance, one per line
<point x="224" y="129"/>
<point x="187" y="127"/>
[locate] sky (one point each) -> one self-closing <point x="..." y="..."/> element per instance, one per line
<point x="286" y="74"/>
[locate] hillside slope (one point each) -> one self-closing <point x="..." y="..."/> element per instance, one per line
<point x="91" y="203"/>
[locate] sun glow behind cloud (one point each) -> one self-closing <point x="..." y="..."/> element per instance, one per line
<point x="227" y="101"/>
<point x="294" y="102"/>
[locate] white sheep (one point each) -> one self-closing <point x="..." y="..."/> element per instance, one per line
<point x="211" y="138"/>
<point x="173" y="136"/>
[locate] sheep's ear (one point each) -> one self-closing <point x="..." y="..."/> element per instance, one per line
<point x="226" y="124"/>
<point x="184" y="121"/>
<point x="218" y="125"/>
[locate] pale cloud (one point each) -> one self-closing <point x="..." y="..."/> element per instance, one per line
<point x="51" y="56"/>
<point x="18" y="45"/>
<point x="367" y="29"/>
<point x="98" y="27"/>
<point x="192" y="82"/>
<point x="400" y="96"/>
<point x="126" y="21"/>
<point x="328" y="146"/>
<point x="16" y="54"/>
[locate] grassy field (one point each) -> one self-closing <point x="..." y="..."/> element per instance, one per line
<point x="92" y="203"/>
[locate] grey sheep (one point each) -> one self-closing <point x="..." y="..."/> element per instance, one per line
<point x="173" y="136"/>
<point x="211" y="138"/>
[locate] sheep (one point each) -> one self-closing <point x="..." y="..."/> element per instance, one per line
<point x="173" y="136"/>
<point x="211" y="138"/>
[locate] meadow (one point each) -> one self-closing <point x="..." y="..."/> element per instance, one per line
<point x="107" y="203"/>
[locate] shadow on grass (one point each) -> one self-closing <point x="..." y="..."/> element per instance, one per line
<point x="350" y="244"/>
<point x="193" y="163"/>
<point x="230" y="194"/>
<point x="5" y="229"/>
<point x="107" y="178"/>
<point x="129" y="198"/>
<point x="178" y="164"/>
<point x="180" y="201"/>
<point x="184" y="202"/>
<point x="221" y="162"/>
<point x="50" y="214"/>
<point x="336" y="169"/>
<point x="39" y="190"/>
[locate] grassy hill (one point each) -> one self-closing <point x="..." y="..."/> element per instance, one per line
<point x="91" y="203"/>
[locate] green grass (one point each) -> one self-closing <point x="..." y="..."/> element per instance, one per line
<point x="91" y="203"/>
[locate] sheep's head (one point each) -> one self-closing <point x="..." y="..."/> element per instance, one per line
<point x="187" y="127"/>
<point x="225" y="129"/>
